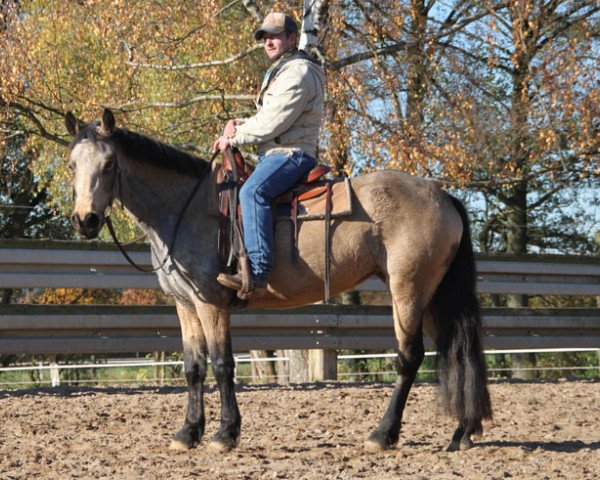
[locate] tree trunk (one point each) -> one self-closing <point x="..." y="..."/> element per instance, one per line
<point x="298" y="365"/>
<point x="417" y="79"/>
<point x="6" y="295"/>
<point x="516" y="200"/>
<point x="262" y="371"/>
<point x="283" y="368"/>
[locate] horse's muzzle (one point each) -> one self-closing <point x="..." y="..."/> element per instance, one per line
<point x="89" y="227"/>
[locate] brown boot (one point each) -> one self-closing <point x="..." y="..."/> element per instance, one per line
<point x="234" y="282"/>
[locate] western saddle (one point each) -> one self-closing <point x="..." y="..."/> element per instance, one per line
<point x="231" y="175"/>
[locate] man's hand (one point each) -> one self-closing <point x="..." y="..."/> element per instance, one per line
<point x="221" y="144"/>
<point x="228" y="132"/>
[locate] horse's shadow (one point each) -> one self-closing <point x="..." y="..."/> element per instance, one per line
<point x="568" y="446"/>
<point x="78" y="391"/>
<point x="67" y="391"/>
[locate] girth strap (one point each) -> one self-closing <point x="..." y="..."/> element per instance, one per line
<point x="328" y="242"/>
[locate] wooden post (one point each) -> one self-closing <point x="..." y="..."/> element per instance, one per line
<point x="283" y="368"/>
<point x="298" y="366"/>
<point x="322" y="365"/>
<point x="163" y="369"/>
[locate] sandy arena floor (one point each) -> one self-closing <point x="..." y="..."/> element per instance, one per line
<point x="545" y="430"/>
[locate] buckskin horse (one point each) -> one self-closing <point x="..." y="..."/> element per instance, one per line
<point x="403" y="229"/>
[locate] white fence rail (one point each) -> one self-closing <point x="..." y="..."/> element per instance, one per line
<point x="54" y="368"/>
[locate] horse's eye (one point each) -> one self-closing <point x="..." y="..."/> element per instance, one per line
<point x="109" y="166"/>
<point x="72" y="167"/>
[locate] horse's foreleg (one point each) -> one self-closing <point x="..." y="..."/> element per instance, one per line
<point x="194" y="359"/>
<point x="410" y="355"/>
<point x="216" y="324"/>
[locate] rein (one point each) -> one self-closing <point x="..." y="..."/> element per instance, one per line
<point x="119" y="245"/>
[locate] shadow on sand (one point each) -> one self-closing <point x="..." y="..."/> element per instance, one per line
<point x="568" y="446"/>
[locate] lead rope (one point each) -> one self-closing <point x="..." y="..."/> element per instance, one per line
<point x="119" y="245"/>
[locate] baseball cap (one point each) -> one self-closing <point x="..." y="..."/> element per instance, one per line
<point x="275" y="23"/>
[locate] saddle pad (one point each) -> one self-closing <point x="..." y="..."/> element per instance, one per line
<point x="313" y="208"/>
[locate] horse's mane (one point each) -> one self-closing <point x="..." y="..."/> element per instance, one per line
<point x="148" y="150"/>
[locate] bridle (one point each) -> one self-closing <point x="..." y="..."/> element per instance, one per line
<point x="106" y="220"/>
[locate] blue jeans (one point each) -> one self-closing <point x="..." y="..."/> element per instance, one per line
<point x="274" y="174"/>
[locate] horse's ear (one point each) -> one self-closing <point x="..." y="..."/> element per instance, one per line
<point x="107" y="126"/>
<point x="73" y="125"/>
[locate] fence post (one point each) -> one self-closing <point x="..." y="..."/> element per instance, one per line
<point x="54" y="372"/>
<point x="283" y="367"/>
<point x="322" y="365"/>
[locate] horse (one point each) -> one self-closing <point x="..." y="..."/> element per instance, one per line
<point x="404" y="229"/>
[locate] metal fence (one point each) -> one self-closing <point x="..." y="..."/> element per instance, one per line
<point x="111" y="329"/>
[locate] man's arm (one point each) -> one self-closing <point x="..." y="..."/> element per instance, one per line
<point x="283" y="103"/>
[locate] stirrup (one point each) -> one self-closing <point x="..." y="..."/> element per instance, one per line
<point x="247" y="287"/>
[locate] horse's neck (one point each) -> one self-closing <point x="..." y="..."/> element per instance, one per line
<point x="154" y="197"/>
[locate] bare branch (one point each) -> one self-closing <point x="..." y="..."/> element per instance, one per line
<point x="545" y="197"/>
<point x="397" y="46"/>
<point x="189" y="66"/>
<point x="253" y="10"/>
<point x="477" y="58"/>
<point x="41" y="130"/>
<point x="185" y="103"/>
<point x="564" y="22"/>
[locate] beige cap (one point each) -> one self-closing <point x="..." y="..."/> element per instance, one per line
<point x="275" y="23"/>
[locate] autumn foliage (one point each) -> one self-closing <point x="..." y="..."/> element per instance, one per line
<point x="498" y="97"/>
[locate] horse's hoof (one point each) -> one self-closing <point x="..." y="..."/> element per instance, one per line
<point x="466" y="444"/>
<point x="219" y="447"/>
<point x="462" y="445"/>
<point x="374" y="446"/>
<point x="379" y="441"/>
<point x="454" y="446"/>
<point x="224" y="441"/>
<point x="179" y="445"/>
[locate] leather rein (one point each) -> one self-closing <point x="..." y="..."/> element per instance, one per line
<point x="120" y="246"/>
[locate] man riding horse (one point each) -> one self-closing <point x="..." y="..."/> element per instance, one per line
<point x="405" y="230"/>
<point x="286" y="130"/>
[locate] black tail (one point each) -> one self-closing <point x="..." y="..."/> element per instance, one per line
<point x="461" y="364"/>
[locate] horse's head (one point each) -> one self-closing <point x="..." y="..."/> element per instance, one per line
<point x="93" y="164"/>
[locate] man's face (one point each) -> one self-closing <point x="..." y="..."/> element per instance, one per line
<point x="277" y="45"/>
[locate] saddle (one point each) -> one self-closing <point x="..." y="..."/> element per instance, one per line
<point x="231" y="175"/>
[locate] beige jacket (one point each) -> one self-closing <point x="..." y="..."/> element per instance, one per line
<point x="290" y="114"/>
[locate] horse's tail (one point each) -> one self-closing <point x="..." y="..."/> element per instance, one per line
<point x="460" y="362"/>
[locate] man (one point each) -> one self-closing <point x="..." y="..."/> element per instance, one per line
<point x="286" y="130"/>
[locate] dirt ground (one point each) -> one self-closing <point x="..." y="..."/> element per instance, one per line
<point x="546" y="430"/>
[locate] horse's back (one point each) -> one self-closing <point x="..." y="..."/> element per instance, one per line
<point x="398" y="222"/>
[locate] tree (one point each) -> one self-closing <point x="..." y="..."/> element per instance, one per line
<point x="26" y="208"/>
<point x="497" y="98"/>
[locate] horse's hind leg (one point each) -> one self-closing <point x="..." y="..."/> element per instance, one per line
<point x="461" y="439"/>
<point x="407" y="324"/>
<point x="194" y="359"/>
